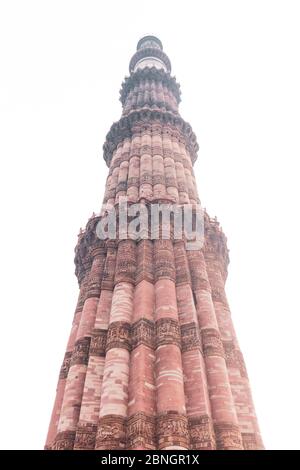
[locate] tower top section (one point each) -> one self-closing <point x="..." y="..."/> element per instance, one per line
<point x="150" y="53"/>
<point x="149" y="41"/>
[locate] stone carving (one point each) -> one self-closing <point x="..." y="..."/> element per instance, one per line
<point x="181" y="186"/>
<point x="171" y="181"/>
<point x="153" y="74"/>
<point x="123" y="129"/>
<point x="64" y="440"/>
<point x="167" y="153"/>
<point x="218" y="295"/>
<point x="118" y="336"/>
<point x="172" y="430"/>
<point x="158" y="179"/>
<point x="202" y="435"/>
<point x="215" y="248"/>
<point x="167" y="332"/>
<point x="144" y="269"/>
<point x="98" y="343"/>
<point x="109" y="270"/>
<point x="190" y="338"/>
<point x="126" y="262"/>
<point x="133" y="181"/>
<point x="94" y="288"/>
<point x="234" y="358"/>
<point x="181" y="263"/>
<point x="82" y="294"/>
<point x="229" y="350"/>
<point x="65" y="365"/>
<point x="140" y="431"/>
<point x="228" y="436"/>
<point x="95" y="277"/>
<point x="143" y="332"/>
<point x="111" y="433"/>
<point x="135" y="150"/>
<point x="146" y="178"/>
<point x="241" y="363"/>
<point x="211" y="341"/>
<point x="85" y="436"/>
<point x="146" y="149"/>
<point x="88" y="244"/>
<point x="110" y="193"/>
<point x="249" y="441"/>
<point x="164" y="265"/>
<point x="81" y="351"/>
<point x="122" y="186"/>
<point x="197" y="270"/>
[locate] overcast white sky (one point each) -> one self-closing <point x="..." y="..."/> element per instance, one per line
<point x="61" y="67"/>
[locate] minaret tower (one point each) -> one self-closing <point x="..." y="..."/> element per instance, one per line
<point x="152" y="360"/>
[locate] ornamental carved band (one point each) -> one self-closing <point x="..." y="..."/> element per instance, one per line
<point x="152" y="75"/>
<point x="228" y="436"/>
<point x="109" y="271"/>
<point x="82" y="295"/>
<point x="64" y="440"/>
<point x="81" y="352"/>
<point x="94" y="288"/>
<point x="64" y="370"/>
<point x="126" y="262"/>
<point x="202" y="436"/>
<point x="98" y="343"/>
<point x="158" y="179"/>
<point x="249" y="441"/>
<point x="111" y="433"/>
<point x="211" y="342"/>
<point x="234" y="358"/>
<point x="164" y="260"/>
<point x="95" y="277"/>
<point x="143" y="332"/>
<point x="218" y="295"/>
<point x="172" y="430"/>
<point x="118" y="336"/>
<point x="167" y="332"/>
<point x="123" y="129"/>
<point x="190" y="338"/>
<point x="85" y="436"/>
<point x="141" y="431"/>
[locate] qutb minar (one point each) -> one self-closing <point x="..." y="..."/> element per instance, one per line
<point x="152" y="360"/>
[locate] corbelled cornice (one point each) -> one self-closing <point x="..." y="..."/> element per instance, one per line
<point x="150" y="73"/>
<point x="124" y="129"/>
<point x="149" y="52"/>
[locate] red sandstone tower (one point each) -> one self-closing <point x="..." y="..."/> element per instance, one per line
<point x="152" y="360"/>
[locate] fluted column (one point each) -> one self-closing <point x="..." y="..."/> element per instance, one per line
<point x="89" y="410"/>
<point x="170" y="174"/>
<point x="195" y="383"/>
<point x="111" y="432"/>
<point x="158" y="172"/>
<point x="234" y="359"/>
<point x="78" y="366"/>
<point x="142" y="393"/>
<point x="133" y="174"/>
<point x="228" y="436"/>
<point x="145" y="190"/>
<point x="171" y="425"/>
<point x="60" y="390"/>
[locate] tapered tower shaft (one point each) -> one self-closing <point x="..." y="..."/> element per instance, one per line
<point x="152" y="361"/>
